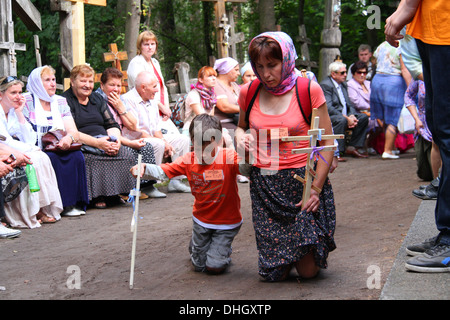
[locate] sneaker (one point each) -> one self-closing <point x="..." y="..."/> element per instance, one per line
<point x="155" y="193"/>
<point x="175" y="185"/>
<point x="416" y="249"/>
<point x="8" y="233"/>
<point x="430" y="191"/>
<point x="242" y="179"/>
<point x="436" y="259"/>
<point x="71" y="212"/>
<point x="388" y="156"/>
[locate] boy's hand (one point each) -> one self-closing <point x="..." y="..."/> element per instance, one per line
<point x="134" y="170"/>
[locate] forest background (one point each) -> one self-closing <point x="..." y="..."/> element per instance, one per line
<point x="185" y="30"/>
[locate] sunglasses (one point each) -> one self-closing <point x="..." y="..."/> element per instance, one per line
<point x="341" y="72"/>
<point x="9" y="79"/>
<point x="361" y="72"/>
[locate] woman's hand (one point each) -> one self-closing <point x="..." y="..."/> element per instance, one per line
<point x="312" y="205"/>
<point x="136" y="144"/>
<point x="65" y="142"/>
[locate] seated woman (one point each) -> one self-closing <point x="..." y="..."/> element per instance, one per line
<point x="47" y="111"/>
<point x="107" y="160"/>
<point x="358" y="88"/>
<point x="202" y="98"/>
<point x="247" y="73"/>
<point x="47" y="201"/>
<point x="227" y="91"/>
<point x="110" y="89"/>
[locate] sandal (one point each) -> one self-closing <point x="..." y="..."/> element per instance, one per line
<point x="45" y="219"/>
<point x="100" y="204"/>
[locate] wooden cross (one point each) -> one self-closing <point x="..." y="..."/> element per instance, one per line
<point x="234" y="38"/>
<point x="314" y="134"/>
<point x="115" y="56"/>
<point x="30" y="16"/>
<point x="219" y="11"/>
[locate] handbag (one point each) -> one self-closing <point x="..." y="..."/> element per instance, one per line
<point x="51" y="139"/>
<point x="13" y="184"/>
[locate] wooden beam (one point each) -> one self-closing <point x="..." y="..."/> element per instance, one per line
<point x="93" y="2"/>
<point x="28" y="13"/>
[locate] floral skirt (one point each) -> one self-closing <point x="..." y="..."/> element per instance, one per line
<point x="285" y="233"/>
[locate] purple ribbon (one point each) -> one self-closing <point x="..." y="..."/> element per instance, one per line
<point x="316" y="150"/>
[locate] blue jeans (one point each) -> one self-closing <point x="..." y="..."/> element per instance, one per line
<point x="436" y="68"/>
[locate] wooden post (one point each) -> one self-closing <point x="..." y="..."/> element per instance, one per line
<point x="330" y="38"/>
<point x="220" y="12"/>
<point x="31" y="17"/>
<point x="314" y="134"/>
<point x="304" y="59"/>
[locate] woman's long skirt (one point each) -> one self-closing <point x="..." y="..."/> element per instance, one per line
<point x="285" y="233"/>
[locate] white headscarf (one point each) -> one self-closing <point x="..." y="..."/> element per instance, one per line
<point x="225" y="65"/>
<point x="36" y="88"/>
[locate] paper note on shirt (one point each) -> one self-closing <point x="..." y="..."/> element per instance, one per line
<point x="211" y="175"/>
<point x="278" y="133"/>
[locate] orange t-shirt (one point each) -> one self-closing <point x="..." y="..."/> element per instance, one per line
<point x="430" y="23"/>
<point x="216" y="201"/>
<point x="274" y="154"/>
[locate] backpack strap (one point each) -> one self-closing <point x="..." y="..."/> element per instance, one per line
<point x="252" y="92"/>
<point x="302" y="85"/>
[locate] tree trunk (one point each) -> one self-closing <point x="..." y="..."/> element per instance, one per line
<point x="133" y="19"/>
<point x="266" y="12"/>
<point x="169" y="48"/>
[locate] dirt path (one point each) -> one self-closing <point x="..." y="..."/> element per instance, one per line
<point x="374" y="211"/>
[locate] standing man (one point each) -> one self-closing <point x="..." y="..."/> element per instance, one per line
<point x="342" y="112"/>
<point x="140" y="101"/>
<point x="428" y="23"/>
<point x="365" y="55"/>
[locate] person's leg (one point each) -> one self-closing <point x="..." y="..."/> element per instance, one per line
<point x="307" y="267"/>
<point x="219" y="252"/>
<point x="200" y="242"/>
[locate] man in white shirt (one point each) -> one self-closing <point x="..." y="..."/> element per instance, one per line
<point x="140" y="101"/>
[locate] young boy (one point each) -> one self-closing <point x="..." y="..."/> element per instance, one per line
<point x="211" y="171"/>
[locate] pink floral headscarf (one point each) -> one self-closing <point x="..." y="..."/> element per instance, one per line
<point x="288" y="74"/>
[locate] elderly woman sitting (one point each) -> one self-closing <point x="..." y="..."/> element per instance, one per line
<point x="47" y="111"/>
<point x="45" y="205"/>
<point x="107" y="160"/>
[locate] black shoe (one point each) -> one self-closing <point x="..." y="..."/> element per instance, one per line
<point x="436" y="259"/>
<point x="415" y="249"/>
<point x="430" y="192"/>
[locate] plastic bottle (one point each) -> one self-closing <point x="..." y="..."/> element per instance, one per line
<point x="32" y="178"/>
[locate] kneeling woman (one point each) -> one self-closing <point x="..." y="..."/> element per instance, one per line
<point x="286" y="236"/>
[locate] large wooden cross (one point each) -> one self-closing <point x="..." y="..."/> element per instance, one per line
<point x="314" y="134"/>
<point x="30" y="16"/>
<point x="220" y="14"/>
<point x="115" y="56"/>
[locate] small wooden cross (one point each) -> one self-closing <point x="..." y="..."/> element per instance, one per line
<point x="314" y="134"/>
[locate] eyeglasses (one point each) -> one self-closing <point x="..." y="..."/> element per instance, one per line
<point x="8" y="80"/>
<point x="361" y="72"/>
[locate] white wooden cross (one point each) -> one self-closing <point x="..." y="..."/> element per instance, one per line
<point x="314" y="134"/>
